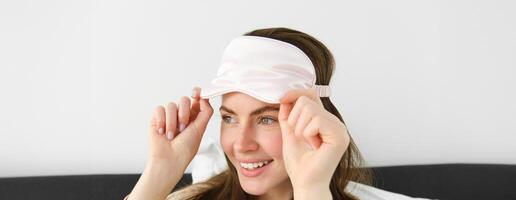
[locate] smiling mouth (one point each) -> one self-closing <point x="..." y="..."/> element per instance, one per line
<point x="255" y="165"/>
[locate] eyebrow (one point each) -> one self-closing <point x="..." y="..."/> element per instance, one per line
<point x="255" y="112"/>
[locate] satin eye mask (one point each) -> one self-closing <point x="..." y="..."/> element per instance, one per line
<point x="263" y="68"/>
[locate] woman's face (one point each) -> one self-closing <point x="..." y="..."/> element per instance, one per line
<point x="251" y="139"/>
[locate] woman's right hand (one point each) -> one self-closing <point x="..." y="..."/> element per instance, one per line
<point x="169" y="156"/>
<point x="176" y="130"/>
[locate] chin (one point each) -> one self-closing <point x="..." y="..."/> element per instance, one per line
<point x="253" y="187"/>
<point x="271" y="178"/>
<point x="256" y="185"/>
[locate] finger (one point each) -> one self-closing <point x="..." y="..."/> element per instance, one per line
<point x="297" y="110"/>
<point x="157" y="125"/>
<point x="287" y="133"/>
<point x="191" y="136"/>
<point x="283" y="114"/>
<point x="292" y="95"/>
<point x="194" y="110"/>
<point x="184" y="112"/>
<point x="198" y="126"/>
<point x="311" y="133"/>
<point x="171" y="120"/>
<point x="302" y="122"/>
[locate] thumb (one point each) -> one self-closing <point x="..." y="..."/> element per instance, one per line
<point x="283" y="114"/>
<point x="289" y="138"/>
<point x="190" y="139"/>
<point x="201" y="121"/>
<point x="296" y="145"/>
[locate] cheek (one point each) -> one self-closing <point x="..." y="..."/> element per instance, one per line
<point x="272" y="144"/>
<point x="226" y="141"/>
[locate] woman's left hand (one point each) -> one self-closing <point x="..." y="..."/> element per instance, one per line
<point x="314" y="140"/>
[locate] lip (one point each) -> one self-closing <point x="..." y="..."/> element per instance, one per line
<point x="253" y="160"/>
<point x="255" y="172"/>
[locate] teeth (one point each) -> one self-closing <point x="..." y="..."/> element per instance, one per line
<point x="252" y="166"/>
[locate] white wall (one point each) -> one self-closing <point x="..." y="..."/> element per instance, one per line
<point x="417" y="81"/>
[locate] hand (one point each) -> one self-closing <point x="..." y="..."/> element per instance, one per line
<point x="169" y="144"/>
<point x="314" y="140"/>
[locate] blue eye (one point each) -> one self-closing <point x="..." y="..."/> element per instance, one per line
<point x="225" y="119"/>
<point x="263" y="120"/>
<point x="267" y="120"/>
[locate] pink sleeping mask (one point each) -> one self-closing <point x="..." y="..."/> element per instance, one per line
<point x="263" y="68"/>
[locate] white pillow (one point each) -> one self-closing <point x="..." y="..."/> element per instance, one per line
<point x="209" y="160"/>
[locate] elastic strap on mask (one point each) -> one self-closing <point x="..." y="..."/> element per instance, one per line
<point x="324" y="90"/>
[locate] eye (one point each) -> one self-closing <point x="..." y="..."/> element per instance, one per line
<point x="267" y="120"/>
<point x="226" y="119"/>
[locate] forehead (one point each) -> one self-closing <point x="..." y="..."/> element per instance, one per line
<point x="244" y="103"/>
<point x="240" y="97"/>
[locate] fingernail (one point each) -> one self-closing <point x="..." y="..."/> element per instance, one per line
<point x="195" y="95"/>
<point x="309" y="146"/>
<point x="160" y="131"/>
<point x="170" y="135"/>
<point x="181" y="127"/>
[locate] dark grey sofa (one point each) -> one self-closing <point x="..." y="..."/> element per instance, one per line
<point x="442" y="181"/>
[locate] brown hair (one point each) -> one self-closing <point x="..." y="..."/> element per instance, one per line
<point x="351" y="166"/>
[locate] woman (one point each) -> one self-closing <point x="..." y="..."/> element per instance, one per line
<point x="296" y="146"/>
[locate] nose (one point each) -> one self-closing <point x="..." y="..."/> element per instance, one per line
<point x="246" y="140"/>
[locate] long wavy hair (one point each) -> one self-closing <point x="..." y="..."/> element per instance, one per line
<point x="351" y="167"/>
